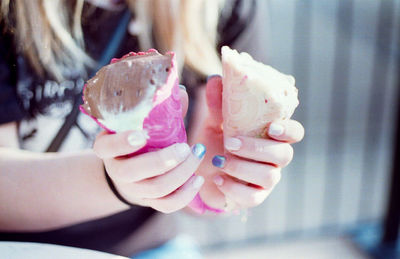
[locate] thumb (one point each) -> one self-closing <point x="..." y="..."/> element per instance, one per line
<point x="214" y="100"/>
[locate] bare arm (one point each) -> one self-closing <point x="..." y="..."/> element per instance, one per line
<point x="45" y="191"/>
<point x="8" y="135"/>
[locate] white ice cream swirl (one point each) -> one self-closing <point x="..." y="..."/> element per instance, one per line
<point x="254" y="94"/>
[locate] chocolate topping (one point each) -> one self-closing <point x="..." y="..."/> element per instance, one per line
<point x="120" y="86"/>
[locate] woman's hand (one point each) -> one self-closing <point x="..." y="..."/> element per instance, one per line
<point x="163" y="179"/>
<point x="242" y="173"/>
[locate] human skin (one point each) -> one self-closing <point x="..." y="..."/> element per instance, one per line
<point x="250" y="171"/>
<point x="43" y="191"/>
<point x="258" y="162"/>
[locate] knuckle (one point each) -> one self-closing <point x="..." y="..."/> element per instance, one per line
<point x="257" y="146"/>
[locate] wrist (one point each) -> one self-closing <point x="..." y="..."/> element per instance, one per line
<point x="115" y="191"/>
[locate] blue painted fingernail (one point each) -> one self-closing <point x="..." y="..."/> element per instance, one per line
<point x="182" y="87"/>
<point x="212" y="76"/>
<point x="219" y="161"/>
<point x="199" y="150"/>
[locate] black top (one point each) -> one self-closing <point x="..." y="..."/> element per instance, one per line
<point x="24" y="95"/>
<point x="10" y="107"/>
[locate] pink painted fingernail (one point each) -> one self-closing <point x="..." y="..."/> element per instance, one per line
<point x="218" y="180"/>
<point x="198" y="182"/>
<point x="275" y="130"/>
<point x="233" y="144"/>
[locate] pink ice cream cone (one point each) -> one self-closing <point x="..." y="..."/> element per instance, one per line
<point x="140" y="91"/>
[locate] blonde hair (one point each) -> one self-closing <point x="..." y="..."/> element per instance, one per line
<point x="49" y="32"/>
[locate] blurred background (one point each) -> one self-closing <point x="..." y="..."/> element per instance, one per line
<point x="333" y="200"/>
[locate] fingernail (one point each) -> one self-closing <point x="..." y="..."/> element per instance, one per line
<point x="219" y="161"/>
<point x="275" y="129"/>
<point x="198" y="181"/>
<point x="233" y="144"/>
<point x="137" y="138"/>
<point x="182" y="150"/>
<point x="212" y="76"/>
<point x="182" y="87"/>
<point x="199" y="150"/>
<point x="218" y="180"/>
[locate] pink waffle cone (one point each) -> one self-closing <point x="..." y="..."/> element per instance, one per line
<point x="164" y="123"/>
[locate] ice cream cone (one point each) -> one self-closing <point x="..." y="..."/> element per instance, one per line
<point x="140" y="91"/>
<point x="254" y="94"/>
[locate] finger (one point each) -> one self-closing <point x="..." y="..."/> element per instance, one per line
<point x="214" y="99"/>
<point x="184" y="99"/>
<point x="211" y="195"/>
<point x="147" y="165"/>
<point x="119" y="144"/>
<point x="290" y="131"/>
<point x="263" y="150"/>
<point x="263" y="175"/>
<point x="179" y="198"/>
<point x="167" y="183"/>
<point x="243" y="195"/>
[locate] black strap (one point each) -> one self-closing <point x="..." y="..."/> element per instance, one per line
<point x="114" y="189"/>
<point x="108" y="54"/>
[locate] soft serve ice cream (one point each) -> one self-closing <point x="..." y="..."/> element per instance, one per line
<point x="254" y="94"/>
